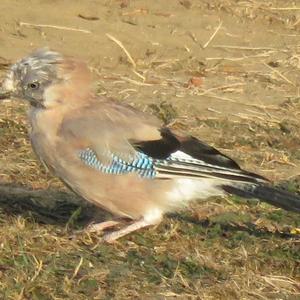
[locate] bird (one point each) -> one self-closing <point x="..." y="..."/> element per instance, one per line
<point x="121" y="159"/>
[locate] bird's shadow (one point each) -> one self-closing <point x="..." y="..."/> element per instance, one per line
<point x="48" y="206"/>
<point x="53" y="206"/>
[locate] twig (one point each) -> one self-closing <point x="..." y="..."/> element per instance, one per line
<point x="77" y="268"/>
<point x="237" y="102"/>
<point x="263" y="54"/>
<point x="222" y="87"/>
<point x="280" y="74"/>
<point x="284" y="34"/>
<point x="119" y="43"/>
<point x="296" y="23"/>
<point x="39" y="264"/>
<point x="53" y="26"/>
<point x="256" y="294"/>
<point x="127" y="90"/>
<point x="253" y="117"/>
<point x="213" y="35"/>
<point x="139" y="75"/>
<point x="244" y="47"/>
<point x="135" y="82"/>
<point x="213" y="110"/>
<point x="192" y="36"/>
<point x="284" y="8"/>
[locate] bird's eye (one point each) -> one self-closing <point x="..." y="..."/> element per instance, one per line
<point x="34" y="85"/>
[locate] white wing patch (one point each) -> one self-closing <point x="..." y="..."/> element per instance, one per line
<point x="181" y="156"/>
<point x="185" y="190"/>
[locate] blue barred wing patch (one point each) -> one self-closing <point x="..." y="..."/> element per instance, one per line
<point x="143" y="165"/>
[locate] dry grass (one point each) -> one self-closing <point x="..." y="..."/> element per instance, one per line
<point x="221" y="249"/>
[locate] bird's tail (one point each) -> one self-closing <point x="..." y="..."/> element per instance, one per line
<point x="276" y="197"/>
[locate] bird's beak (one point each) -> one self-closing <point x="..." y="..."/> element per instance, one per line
<point x="4" y="94"/>
<point x="6" y="89"/>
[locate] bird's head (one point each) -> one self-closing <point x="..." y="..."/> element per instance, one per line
<point x="31" y="77"/>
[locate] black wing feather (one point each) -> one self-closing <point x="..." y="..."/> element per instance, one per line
<point x="208" y="162"/>
<point x="160" y="149"/>
<point x="206" y="153"/>
<point x="170" y="143"/>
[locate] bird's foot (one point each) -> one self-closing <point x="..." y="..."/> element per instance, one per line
<point x="96" y="227"/>
<point x="113" y="236"/>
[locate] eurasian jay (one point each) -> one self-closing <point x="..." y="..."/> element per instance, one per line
<point x="117" y="157"/>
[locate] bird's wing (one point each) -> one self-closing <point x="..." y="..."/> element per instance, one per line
<point x="118" y="139"/>
<point x="185" y="156"/>
<point x="108" y="126"/>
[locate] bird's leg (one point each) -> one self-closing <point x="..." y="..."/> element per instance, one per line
<point x="96" y="227"/>
<point x="113" y="236"/>
<point x="102" y="226"/>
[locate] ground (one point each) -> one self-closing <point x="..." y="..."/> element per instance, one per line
<point x="225" y="71"/>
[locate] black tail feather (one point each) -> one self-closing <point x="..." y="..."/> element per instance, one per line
<point x="276" y="197"/>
